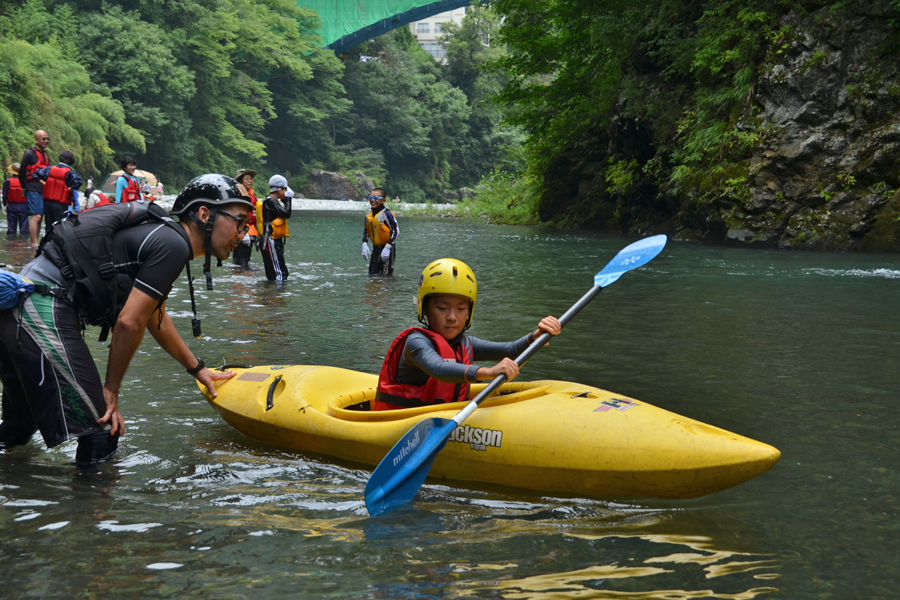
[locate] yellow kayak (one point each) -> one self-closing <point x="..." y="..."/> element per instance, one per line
<point x="540" y="435"/>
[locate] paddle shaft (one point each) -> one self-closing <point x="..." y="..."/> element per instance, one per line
<point x="536" y="345"/>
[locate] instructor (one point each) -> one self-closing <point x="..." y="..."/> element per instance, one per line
<point x="50" y="382"/>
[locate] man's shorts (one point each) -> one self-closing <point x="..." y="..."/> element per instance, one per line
<point x="50" y="381"/>
<point x="34" y="202"/>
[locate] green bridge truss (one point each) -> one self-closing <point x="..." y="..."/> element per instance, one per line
<point x="347" y="23"/>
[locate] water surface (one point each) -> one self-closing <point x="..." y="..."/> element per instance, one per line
<point x="798" y="350"/>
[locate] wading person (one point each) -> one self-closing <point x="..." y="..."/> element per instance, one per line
<point x="435" y="364"/>
<point x="34" y="158"/>
<point x="242" y="252"/>
<point x="273" y="213"/>
<point x="14" y="203"/>
<point x="50" y="382"/>
<point x="381" y="227"/>
<point x="61" y="183"/>
<point x="128" y="187"/>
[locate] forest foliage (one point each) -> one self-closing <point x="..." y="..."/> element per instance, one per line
<point x="189" y="87"/>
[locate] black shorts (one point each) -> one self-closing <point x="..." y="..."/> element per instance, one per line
<point x="53" y="212"/>
<point x="50" y="381"/>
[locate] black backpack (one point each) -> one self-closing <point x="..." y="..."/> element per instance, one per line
<point x="80" y="245"/>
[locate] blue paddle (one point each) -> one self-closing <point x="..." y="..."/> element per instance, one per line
<point x="400" y="474"/>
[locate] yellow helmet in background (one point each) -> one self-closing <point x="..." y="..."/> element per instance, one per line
<point x="448" y="276"/>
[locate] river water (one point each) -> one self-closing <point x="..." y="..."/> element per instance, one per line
<point x="798" y="350"/>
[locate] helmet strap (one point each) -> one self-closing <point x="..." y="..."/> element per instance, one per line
<point x="195" y="322"/>
<point x="207" y="270"/>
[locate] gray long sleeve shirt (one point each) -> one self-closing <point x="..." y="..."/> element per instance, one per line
<point x="421" y="360"/>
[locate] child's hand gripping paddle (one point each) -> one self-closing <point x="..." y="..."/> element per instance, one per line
<point x="400" y="474"/>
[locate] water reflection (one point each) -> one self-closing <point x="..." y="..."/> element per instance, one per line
<point x="795" y="349"/>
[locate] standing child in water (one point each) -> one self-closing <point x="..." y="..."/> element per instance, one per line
<point x="435" y="365"/>
<point x="381" y="227"/>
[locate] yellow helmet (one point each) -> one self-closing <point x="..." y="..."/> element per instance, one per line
<point x="448" y="276"/>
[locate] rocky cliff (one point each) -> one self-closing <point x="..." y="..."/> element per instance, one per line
<point x="821" y="168"/>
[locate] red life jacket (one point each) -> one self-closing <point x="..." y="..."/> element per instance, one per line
<point x="133" y="191"/>
<point x="15" y="194"/>
<point x="55" y="188"/>
<point x="104" y="201"/>
<point x="392" y="394"/>
<point x="42" y="161"/>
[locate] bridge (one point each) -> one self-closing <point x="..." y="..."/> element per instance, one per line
<point x="348" y="23"/>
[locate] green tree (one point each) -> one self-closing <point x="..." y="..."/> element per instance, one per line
<point x="41" y="86"/>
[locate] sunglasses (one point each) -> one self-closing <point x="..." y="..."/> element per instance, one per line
<point x="241" y="222"/>
<point x="46" y="139"/>
<point x="376" y="198"/>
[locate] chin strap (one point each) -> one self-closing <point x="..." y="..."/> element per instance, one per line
<point x="195" y="322"/>
<point x="208" y="228"/>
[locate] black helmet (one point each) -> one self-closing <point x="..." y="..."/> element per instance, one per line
<point x="209" y="189"/>
<point x="212" y="190"/>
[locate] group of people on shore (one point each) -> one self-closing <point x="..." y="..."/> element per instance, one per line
<point x="116" y="267"/>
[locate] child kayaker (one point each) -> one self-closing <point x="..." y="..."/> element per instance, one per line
<point x="435" y="365"/>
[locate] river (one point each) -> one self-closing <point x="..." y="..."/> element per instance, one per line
<point x="798" y="350"/>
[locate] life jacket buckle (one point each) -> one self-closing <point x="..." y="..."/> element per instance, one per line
<point x="107" y="270"/>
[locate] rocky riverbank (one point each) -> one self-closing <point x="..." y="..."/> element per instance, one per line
<point x="820" y="128"/>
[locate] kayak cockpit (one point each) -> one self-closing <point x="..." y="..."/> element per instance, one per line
<point x="355" y="406"/>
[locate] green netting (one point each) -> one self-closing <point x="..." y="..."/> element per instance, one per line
<point x="343" y="17"/>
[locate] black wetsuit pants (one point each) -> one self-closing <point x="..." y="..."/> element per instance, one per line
<point x="378" y="266"/>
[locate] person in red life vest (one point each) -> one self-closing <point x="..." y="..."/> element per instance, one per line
<point x="242" y="252"/>
<point x="34" y="158"/>
<point x="14" y="203"/>
<point x="128" y="187"/>
<point x="436" y="365"/>
<point x="60" y="184"/>
<point x="97" y="198"/>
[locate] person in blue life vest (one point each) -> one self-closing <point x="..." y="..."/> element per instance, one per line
<point x="34" y="158"/>
<point x="61" y="183"/>
<point x="382" y="229"/>
<point x="273" y="212"/>
<point x="50" y="381"/>
<point x="435" y="364"/>
<point x="128" y="187"/>
<point x="14" y="203"/>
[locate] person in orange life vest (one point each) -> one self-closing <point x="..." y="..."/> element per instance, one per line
<point x="128" y="187"/>
<point x="382" y="228"/>
<point x="436" y="365"/>
<point x="242" y="252"/>
<point x="14" y="203"/>
<point x="60" y="184"/>
<point x="33" y="159"/>
<point x="274" y="211"/>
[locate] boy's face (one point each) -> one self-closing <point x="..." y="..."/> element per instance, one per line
<point x="376" y="198"/>
<point x="447" y="314"/>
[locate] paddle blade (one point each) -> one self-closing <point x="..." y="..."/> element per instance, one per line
<point x="400" y="474"/>
<point x="631" y="257"/>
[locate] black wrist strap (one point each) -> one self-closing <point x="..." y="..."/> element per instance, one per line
<point x="200" y="366"/>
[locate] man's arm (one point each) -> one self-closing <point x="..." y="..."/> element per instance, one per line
<point x="165" y="334"/>
<point x="28" y="159"/>
<point x="73" y="180"/>
<point x="392" y="223"/>
<point x="121" y="184"/>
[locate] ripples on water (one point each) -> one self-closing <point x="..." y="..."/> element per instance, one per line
<point x="794" y="349"/>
